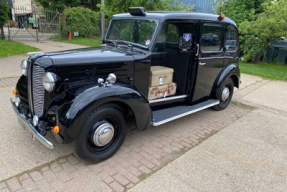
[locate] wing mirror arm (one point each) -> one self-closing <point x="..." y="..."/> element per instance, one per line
<point x="239" y="59"/>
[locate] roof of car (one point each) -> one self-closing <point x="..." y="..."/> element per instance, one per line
<point x="165" y="15"/>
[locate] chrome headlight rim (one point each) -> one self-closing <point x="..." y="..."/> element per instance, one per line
<point x="24" y="67"/>
<point x="49" y="81"/>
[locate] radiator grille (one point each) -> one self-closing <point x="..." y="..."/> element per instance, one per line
<point x="38" y="90"/>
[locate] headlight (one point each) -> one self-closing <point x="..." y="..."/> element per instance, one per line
<point x="24" y="66"/>
<point x="49" y="80"/>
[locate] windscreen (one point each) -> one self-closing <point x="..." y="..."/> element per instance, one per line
<point x="136" y="31"/>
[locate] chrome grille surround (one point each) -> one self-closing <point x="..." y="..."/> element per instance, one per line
<point x="38" y="90"/>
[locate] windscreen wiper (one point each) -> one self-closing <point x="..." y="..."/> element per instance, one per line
<point x="110" y="41"/>
<point x="124" y="42"/>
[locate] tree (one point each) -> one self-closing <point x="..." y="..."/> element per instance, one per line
<point x="93" y="4"/>
<point x="268" y="26"/>
<point x="119" y="6"/>
<point x="239" y="10"/>
<point x="4" y="10"/>
<point x="60" y="5"/>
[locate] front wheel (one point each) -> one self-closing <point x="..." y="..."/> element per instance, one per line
<point x="224" y="94"/>
<point x="102" y="134"/>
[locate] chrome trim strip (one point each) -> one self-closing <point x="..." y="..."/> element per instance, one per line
<point x="184" y="114"/>
<point x="167" y="99"/>
<point x="30" y="128"/>
<point x="207" y="58"/>
<point x="29" y="75"/>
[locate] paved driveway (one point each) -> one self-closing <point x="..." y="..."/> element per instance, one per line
<point x="248" y="155"/>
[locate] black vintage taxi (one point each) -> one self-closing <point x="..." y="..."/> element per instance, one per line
<point x="91" y="95"/>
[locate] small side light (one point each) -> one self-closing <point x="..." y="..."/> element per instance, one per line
<point x="56" y="129"/>
<point x="112" y="78"/>
<point x="15" y="92"/>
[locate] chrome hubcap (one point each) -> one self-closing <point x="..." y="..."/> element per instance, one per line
<point x="225" y="94"/>
<point x="103" y="134"/>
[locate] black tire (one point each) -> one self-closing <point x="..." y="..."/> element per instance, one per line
<point x="224" y="104"/>
<point x="86" y="149"/>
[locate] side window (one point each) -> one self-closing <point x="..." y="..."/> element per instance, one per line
<point x="211" y="35"/>
<point x="172" y="34"/>
<point x="231" y="39"/>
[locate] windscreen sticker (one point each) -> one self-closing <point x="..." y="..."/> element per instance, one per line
<point x="147" y="42"/>
<point x="112" y="37"/>
<point x="187" y="36"/>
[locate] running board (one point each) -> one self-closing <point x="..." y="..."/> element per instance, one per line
<point x="166" y="115"/>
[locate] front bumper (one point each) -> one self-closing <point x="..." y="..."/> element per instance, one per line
<point x="28" y="126"/>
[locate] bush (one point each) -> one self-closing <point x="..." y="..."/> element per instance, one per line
<point x="82" y="20"/>
<point x="268" y="26"/>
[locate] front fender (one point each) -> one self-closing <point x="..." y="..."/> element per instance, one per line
<point x="76" y="104"/>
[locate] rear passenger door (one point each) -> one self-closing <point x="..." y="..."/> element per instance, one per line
<point x="210" y="59"/>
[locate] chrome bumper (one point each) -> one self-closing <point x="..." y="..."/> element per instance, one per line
<point x="27" y="126"/>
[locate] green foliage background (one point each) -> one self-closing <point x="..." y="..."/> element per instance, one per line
<point x="119" y="6"/>
<point x="60" y="5"/>
<point x="266" y="27"/>
<point x="260" y="22"/>
<point x="83" y="20"/>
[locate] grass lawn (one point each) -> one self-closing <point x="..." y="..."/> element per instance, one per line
<point x="92" y="42"/>
<point x="266" y="70"/>
<point x="8" y="48"/>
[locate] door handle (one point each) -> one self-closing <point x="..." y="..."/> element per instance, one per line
<point x="197" y="50"/>
<point x="200" y="63"/>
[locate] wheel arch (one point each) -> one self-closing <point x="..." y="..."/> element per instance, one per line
<point x="231" y="71"/>
<point x="73" y="112"/>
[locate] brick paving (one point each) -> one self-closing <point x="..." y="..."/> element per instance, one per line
<point x="142" y="153"/>
<point x="8" y="82"/>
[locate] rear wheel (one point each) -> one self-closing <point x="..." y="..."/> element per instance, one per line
<point x="102" y="134"/>
<point x="224" y="94"/>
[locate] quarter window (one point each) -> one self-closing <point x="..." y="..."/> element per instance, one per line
<point x="211" y="36"/>
<point x="231" y="39"/>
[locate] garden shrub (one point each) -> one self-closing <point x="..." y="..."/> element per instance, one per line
<point x="82" y="20"/>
